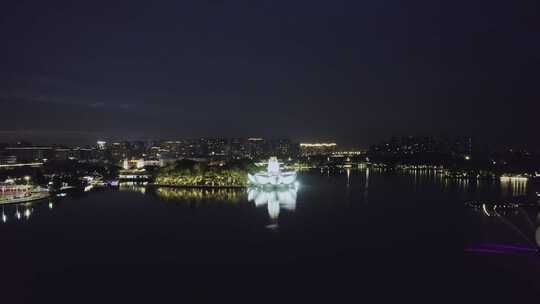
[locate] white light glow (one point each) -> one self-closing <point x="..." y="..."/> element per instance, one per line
<point x="307" y="145"/>
<point x="273" y="175"/>
<point x="275" y="199"/>
<point x="485" y="210"/>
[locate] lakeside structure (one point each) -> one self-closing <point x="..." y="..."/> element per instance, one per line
<point x="274" y="189"/>
<point x="134" y="170"/>
<point x="11" y="193"/>
<point x="273" y="176"/>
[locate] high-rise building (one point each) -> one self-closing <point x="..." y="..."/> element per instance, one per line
<point x="120" y="150"/>
<point x="427" y="148"/>
<point x="281" y="148"/>
<point x="314" y="149"/>
<point x="101" y="145"/>
<point x="8" y="160"/>
<point x="238" y="148"/>
<point x="256" y="147"/>
<point x="27" y="154"/>
<point x="214" y="146"/>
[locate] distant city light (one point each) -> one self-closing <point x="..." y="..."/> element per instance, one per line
<point x="140" y="163"/>
<point x="342" y="153"/>
<point x="318" y="144"/>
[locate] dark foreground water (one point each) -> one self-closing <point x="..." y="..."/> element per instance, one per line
<point x="351" y="236"/>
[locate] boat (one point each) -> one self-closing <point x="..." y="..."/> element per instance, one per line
<point x="30" y="197"/>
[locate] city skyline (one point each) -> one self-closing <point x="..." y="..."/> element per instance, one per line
<point x="276" y="151"/>
<point x="479" y="143"/>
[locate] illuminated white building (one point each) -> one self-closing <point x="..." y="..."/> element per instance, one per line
<point x="133" y="163"/>
<point x="133" y="170"/>
<point x="101" y="144"/>
<point x="273" y="175"/>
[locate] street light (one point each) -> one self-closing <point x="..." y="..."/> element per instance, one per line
<point x="27" y="179"/>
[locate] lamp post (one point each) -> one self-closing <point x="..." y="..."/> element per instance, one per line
<point x="27" y="179"/>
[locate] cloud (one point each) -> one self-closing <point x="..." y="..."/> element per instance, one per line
<point x="65" y="101"/>
<point x="60" y="91"/>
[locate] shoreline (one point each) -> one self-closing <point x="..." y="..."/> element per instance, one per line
<point x="195" y="186"/>
<point x="26" y="199"/>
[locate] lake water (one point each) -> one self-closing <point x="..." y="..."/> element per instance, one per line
<point x="333" y="234"/>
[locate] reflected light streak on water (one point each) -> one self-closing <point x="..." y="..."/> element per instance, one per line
<point x="275" y="200"/>
<point x="513" y="187"/>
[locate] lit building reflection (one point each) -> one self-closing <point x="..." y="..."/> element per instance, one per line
<point x="274" y="199"/>
<point x="133" y="187"/>
<point x="200" y="194"/>
<point x="366" y="186"/>
<point x="513" y="186"/>
<point x="18" y="212"/>
<point x="348" y="172"/>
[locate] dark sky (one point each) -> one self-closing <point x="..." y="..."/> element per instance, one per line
<point x="353" y="71"/>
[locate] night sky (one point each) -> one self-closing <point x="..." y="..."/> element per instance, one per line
<point x="355" y="72"/>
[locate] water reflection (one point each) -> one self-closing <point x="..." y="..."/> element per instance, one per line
<point x="19" y="212"/>
<point x="537" y="233"/>
<point x="519" y="228"/>
<point x="366" y="186"/>
<point x="200" y="194"/>
<point x="348" y="172"/>
<point x="513" y="187"/>
<point x="275" y="200"/>
<point x="132" y="186"/>
<point x="421" y="177"/>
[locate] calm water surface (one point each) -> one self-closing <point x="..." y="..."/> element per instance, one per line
<point x="373" y="225"/>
